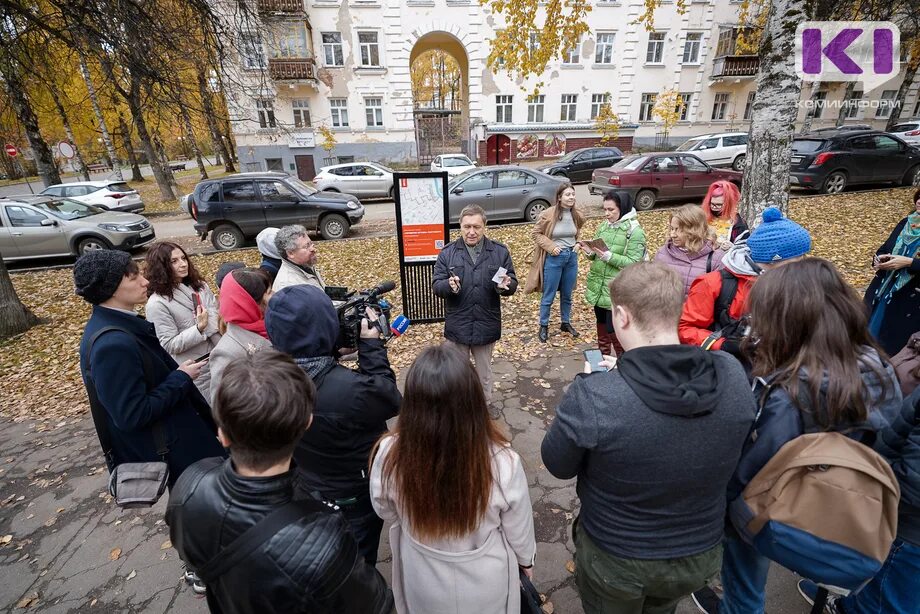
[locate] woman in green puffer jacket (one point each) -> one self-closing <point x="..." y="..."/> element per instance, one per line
<point x="625" y="241"/>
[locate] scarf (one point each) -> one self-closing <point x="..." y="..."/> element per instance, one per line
<point x="238" y="307"/>
<point x="908" y="244"/>
<point x="315" y="366"/>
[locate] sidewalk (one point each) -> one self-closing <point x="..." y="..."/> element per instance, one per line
<point x="70" y="549"/>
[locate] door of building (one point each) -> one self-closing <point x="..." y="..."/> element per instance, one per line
<point x="306" y="171"/>
<point x="498" y="149"/>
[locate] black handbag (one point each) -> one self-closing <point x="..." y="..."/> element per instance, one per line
<point x="530" y="598"/>
<point x="131" y="484"/>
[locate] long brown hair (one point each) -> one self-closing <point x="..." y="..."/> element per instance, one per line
<point x="159" y="273"/>
<point x="805" y="318"/>
<point x="440" y="462"/>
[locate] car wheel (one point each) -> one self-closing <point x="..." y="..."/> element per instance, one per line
<point x="738" y="164"/>
<point x="645" y="200"/>
<point x="227" y="236"/>
<point x="333" y="226"/>
<point x="330" y="190"/>
<point x="92" y="244"/>
<point x="534" y="209"/>
<point x="913" y="176"/>
<point x="835" y="183"/>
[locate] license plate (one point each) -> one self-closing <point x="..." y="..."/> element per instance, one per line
<point x="147" y="233"/>
<point x="797" y="159"/>
<point x="794" y="180"/>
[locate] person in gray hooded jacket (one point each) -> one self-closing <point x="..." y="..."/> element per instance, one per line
<point x="653" y="444"/>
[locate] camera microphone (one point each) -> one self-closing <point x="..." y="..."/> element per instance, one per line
<point x="382" y="288"/>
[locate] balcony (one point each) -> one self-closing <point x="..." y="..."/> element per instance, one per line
<point x="729" y="66"/>
<point x="292" y="69"/>
<point x="282" y="7"/>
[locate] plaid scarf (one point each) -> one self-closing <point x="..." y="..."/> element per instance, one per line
<point x="316" y="366"/>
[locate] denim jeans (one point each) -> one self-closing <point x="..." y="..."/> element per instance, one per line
<point x="559" y="275"/>
<point x="744" y="577"/>
<point x="896" y="587"/>
<point x="365" y="526"/>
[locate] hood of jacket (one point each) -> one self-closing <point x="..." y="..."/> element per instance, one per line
<point x="631" y="218"/>
<point x="302" y="322"/>
<point x="238" y="307"/>
<point x="678" y="380"/>
<point x="676" y="253"/>
<point x="738" y="260"/>
<point x="265" y="241"/>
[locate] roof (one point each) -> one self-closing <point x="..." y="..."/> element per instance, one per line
<point x="96" y="184"/>
<point x="560" y="127"/>
<point x="255" y="175"/>
<point x="712" y="135"/>
<point x="829" y="134"/>
<point x="29" y="199"/>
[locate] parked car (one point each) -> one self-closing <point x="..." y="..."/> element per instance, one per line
<point x="846" y="128"/>
<point x="724" y="149"/>
<point x="452" y="164"/>
<point x="112" y="195"/>
<point x="361" y="179"/>
<point x="831" y="161"/>
<point x="235" y="208"/>
<point x="505" y="192"/>
<point x="908" y="131"/>
<point x="47" y="226"/>
<point x="577" y="165"/>
<point x="652" y="177"/>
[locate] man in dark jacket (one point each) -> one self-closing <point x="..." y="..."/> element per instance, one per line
<point x="352" y="407"/>
<point x="653" y="444"/>
<point x="464" y="276"/>
<point x="135" y="401"/>
<point x="308" y="562"/>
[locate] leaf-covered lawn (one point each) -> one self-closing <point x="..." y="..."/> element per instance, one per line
<point x="39" y="370"/>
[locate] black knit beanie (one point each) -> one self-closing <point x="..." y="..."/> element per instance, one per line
<point x="97" y="274"/>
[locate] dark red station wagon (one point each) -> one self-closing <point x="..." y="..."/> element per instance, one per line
<point x="658" y="176"/>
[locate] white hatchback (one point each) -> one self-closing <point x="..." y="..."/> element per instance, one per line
<point x="724" y="149"/>
<point x="908" y="131"/>
<point x="452" y="164"/>
<point x="113" y="195"/>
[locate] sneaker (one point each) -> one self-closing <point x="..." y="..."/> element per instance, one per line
<point x="809" y="592"/>
<point x="706" y="600"/>
<point x="199" y="588"/>
<point x="190" y="576"/>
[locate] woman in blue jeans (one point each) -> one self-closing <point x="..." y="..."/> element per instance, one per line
<point x="807" y="321"/>
<point x="555" y="269"/>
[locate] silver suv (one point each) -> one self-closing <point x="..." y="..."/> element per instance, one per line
<point x="46" y="227"/>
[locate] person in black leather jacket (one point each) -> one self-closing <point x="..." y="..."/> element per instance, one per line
<point x="309" y="565"/>
<point x="352" y="407"/>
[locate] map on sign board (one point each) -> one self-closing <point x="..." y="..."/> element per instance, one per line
<point x="421" y="213"/>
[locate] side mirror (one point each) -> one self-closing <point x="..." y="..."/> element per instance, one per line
<point x="457" y="190"/>
<point x="47" y="222"/>
<point x="708" y="169"/>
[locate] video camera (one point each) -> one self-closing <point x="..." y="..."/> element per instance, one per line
<point x="352" y="307"/>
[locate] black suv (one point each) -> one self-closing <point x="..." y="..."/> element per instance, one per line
<point x="578" y="165"/>
<point x="830" y="161"/>
<point x="237" y="207"/>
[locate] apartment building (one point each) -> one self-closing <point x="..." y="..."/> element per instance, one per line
<point x="343" y="67"/>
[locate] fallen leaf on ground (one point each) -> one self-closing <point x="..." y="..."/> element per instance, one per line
<point x="114" y="554"/>
<point x="6" y="539"/>
<point x="570" y="566"/>
<point x="548" y="607"/>
<point x="166" y="545"/>
<point x="132" y="574"/>
<point x="27" y="601"/>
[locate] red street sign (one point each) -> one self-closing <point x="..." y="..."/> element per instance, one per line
<point x="11" y="150"/>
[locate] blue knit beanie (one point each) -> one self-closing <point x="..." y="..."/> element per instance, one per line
<point x="778" y="238"/>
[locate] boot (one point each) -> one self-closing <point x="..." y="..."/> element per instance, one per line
<point x="544" y="333"/>
<point x="603" y="340"/>
<point x="567" y="328"/>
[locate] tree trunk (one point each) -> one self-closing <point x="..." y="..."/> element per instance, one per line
<point x="161" y="171"/>
<point x="128" y="143"/>
<point x="902" y="93"/>
<point x="81" y="165"/>
<point x="190" y="136"/>
<point x="94" y="98"/>
<point x="766" y="176"/>
<point x="15" y="318"/>
<point x="44" y="159"/>
<point x="220" y="147"/>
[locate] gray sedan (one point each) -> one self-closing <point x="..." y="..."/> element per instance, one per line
<point x="505" y="192"/>
<point x="46" y="227"/>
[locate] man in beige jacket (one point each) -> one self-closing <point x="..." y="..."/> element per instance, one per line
<point x="298" y="259"/>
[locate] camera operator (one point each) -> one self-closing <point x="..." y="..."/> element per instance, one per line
<point x="298" y="259"/>
<point x="352" y="407"/>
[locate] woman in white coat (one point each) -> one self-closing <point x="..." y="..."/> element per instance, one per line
<point x="181" y="307"/>
<point x="456" y="494"/>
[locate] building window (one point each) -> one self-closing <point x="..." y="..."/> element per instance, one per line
<point x="290" y="42"/>
<point x="655" y="51"/>
<point x="301" y="113"/>
<point x="251" y="51"/>
<point x="569" y="106"/>
<point x="818" y="100"/>
<point x="597" y="102"/>
<point x="603" y="53"/>
<point x="503" y="109"/>
<point x="692" y="48"/>
<point x="266" y="112"/>
<point x="274" y="164"/>
<point x="720" y="106"/>
<point x="749" y="106"/>
<point x="332" y="49"/>
<point x="534" y="43"/>
<point x="573" y="55"/>
<point x="852" y="105"/>
<point x="916" y="106"/>
<point x="535" y="109"/>
<point x="645" y="107"/>
<point x="370" y="49"/>
<point x="339" y="110"/>
<point x="373" y="110"/>
<point x="885" y="103"/>
<point x="684" y="106"/>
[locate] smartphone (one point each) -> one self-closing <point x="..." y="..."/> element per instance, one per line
<point x="594" y="358"/>
<point x="205" y="357"/>
<point x="884" y="257"/>
<point x="197" y="300"/>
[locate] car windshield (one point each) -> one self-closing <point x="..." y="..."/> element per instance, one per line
<point x="300" y="186"/>
<point x="903" y="127"/>
<point x="690" y="145"/>
<point x="807" y="145"/>
<point x="567" y="157"/>
<point x="383" y="168"/>
<point x="630" y="163"/>
<point x="67" y="209"/>
<point x="119" y="187"/>
<point x="456" y="179"/>
<point x="456" y="161"/>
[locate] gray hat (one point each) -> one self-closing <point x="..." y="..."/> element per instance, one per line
<point x="97" y="274"/>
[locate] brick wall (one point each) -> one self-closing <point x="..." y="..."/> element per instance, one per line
<point x="572" y="143"/>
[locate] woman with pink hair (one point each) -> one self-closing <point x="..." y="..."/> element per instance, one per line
<point x="721" y="208"/>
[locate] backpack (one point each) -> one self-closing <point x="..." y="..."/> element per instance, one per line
<point x="825" y="506"/>
<point x="723" y="325"/>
